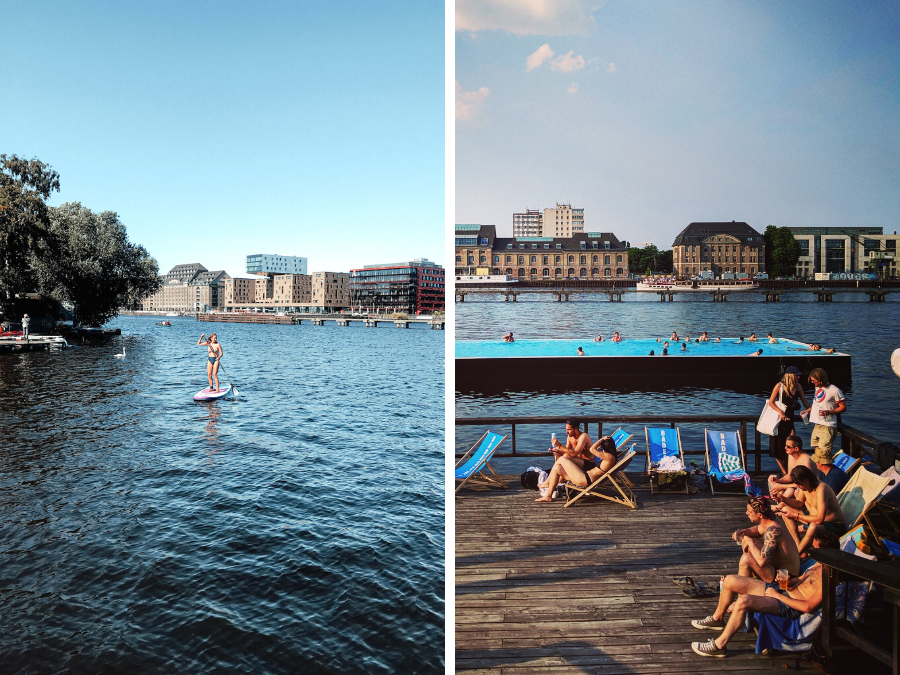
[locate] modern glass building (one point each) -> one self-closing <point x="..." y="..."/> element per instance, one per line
<point x="263" y="263"/>
<point x="415" y="287"/>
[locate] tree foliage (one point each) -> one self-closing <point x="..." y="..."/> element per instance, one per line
<point x="93" y="265"/>
<point x="25" y="186"/>
<point x="649" y="260"/>
<point x="782" y="251"/>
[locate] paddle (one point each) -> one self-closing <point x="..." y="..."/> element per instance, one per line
<point x="233" y="388"/>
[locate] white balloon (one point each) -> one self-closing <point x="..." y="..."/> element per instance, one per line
<point x="895" y="362"/>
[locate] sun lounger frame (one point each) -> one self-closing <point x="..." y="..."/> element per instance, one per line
<point x="481" y="475"/>
<point x="616" y="478"/>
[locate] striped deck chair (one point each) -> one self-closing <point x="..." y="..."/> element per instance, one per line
<point x="615" y="479"/>
<point x="480" y="453"/>
<point x="862" y="492"/>
<point x="846" y="463"/>
<point x="725" y="462"/>
<point x="662" y="442"/>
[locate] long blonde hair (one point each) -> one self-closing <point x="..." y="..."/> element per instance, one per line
<point x="790" y="382"/>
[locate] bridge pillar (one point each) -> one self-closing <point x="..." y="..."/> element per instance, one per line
<point x="462" y="297"/>
<point x="671" y="297"/>
<point x="515" y="296"/>
<point x="402" y="324"/>
<point x="662" y="296"/>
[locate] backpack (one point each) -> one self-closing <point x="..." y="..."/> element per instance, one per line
<point x="530" y="480"/>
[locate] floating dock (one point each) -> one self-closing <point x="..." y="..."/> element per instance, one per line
<point x="34" y="344"/>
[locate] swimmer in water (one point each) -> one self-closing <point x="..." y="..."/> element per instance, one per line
<point x="665" y="352"/>
<point x="772" y="340"/>
<point x="599" y="338"/>
<point x="580" y="352"/>
<point x="508" y="337"/>
<point x="704" y="337"/>
<point x="674" y="337"/>
<point x="616" y="338"/>
<point x="756" y="353"/>
<point x="684" y="346"/>
<point x="753" y="337"/>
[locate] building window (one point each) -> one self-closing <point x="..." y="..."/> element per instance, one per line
<point x="571" y="272"/>
<point x="606" y="260"/>
<point x="496" y="258"/>
<point x="607" y="272"/>
<point x="546" y="259"/>
<point x="618" y="258"/>
<point x="583" y="259"/>
<point x="618" y="271"/>
<point x="545" y="272"/>
<point x="521" y="271"/>
<point x="582" y="272"/>
<point x="558" y="259"/>
<point x="558" y="271"/>
<point x="533" y="272"/>
<point x="521" y="259"/>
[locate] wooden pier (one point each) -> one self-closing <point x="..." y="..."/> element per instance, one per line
<point x="318" y="319"/>
<point x="36" y="343"/>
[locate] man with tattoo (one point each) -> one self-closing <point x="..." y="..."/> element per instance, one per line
<point x="776" y="551"/>
<point x="803" y="594"/>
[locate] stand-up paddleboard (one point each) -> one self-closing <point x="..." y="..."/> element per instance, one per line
<point x="210" y="395"/>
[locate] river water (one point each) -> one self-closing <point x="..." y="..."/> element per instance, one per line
<point x="869" y="332"/>
<point x="297" y="528"/>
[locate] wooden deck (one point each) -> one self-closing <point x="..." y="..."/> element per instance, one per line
<point x="588" y="589"/>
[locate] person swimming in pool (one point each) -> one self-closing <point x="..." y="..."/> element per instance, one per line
<point x="616" y="338"/>
<point x="508" y="337"/>
<point x="756" y="353"/>
<point x="674" y="337"/>
<point x="704" y="337"/>
<point x="684" y="346"/>
<point x="772" y="340"/>
<point x="580" y="352"/>
<point x="753" y="337"/>
<point x="718" y="340"/>
<point x="214" y="352"/>
<point x="599" y="338"/>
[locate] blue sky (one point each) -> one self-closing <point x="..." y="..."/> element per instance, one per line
<point x="221" y="129"/>
<point x="651" y="115"/>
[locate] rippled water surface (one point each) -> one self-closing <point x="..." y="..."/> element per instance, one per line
<point x="869" y="332"/>
<point x="297" y="528"/>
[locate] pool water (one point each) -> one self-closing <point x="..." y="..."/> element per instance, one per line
<point x="627" y="347"/>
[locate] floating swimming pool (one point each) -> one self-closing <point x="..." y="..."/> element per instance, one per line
<point x="637" y="347"/>
<point x="529" y="364"/>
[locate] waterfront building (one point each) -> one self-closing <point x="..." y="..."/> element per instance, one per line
<point x="264" y="263"/>
<point x="330" y="291"/>
<point x="721" y="248"/>
<point x="474" y="246"/>
<point x="415" y="287"/>
<point x="585" y="255"/>
<point x="527" y="224"/>
<point x="188" y="288"/>
<point x="839" y="250"/>
<point x="563" y="221"/>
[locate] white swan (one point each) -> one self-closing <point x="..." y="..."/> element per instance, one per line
<point x="122" y="355"/>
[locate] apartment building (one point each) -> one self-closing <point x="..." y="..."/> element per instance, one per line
<point x="330" y="290"/>
<point x="527" y="224"/>
<point x="733" y="247"/>
<point x="562" y="222"/>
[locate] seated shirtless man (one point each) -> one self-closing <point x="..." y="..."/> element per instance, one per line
<point x="783" y="487"/>
<point x="803" y="595"/>
<point x="572" y="459"/>
<point x="777" y="550"/>
<point x="822" y="509"/>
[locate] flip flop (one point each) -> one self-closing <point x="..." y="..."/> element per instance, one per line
<point x="685" y="582"/>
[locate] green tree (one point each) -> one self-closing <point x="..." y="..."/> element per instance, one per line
<point x="650" y="259"/>
<point x="782" y="251"/>
<point x="25" y="186"/>
<point x="90" y="262"/>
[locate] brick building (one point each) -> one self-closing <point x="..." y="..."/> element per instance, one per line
<point x="721" y="248"/>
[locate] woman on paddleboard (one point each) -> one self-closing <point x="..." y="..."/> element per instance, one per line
<point x="214" y="352"/>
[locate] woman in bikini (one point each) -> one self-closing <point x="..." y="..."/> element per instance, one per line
<point x="214" y="352"/>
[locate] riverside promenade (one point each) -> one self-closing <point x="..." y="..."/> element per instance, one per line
<point x="588" y="589"/>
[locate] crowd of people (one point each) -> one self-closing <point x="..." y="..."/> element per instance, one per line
<point x="800" y="512"/>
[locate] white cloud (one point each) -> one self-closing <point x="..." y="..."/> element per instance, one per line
<point x="527" y="17"/>
<point x="469" y="103"/>
<point x="537" y="58"/>
<point x="612" y="68"/>
<point x="567" y="63"/>
<point x="573" y="88"/>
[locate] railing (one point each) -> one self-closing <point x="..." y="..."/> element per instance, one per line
<point x="853" y="441"/>
<point x="837" y="567"/>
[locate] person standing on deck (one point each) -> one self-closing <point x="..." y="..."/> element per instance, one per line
<point x="790" y="393"/>
<point x="26" y="323"/>
<point x="214" y="352"/>
<point x="828" y="400"/>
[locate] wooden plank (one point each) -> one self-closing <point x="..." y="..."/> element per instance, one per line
<point x="589" y="589"/>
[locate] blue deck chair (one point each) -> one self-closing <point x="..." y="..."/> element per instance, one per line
<point x="480" y="453"/>
<point x="620" y="437"/>
<point x="662" y="442"/>
<point x="725" y="462"/>
<point x="615" y="478"/>
<point x="846" y="463"/>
